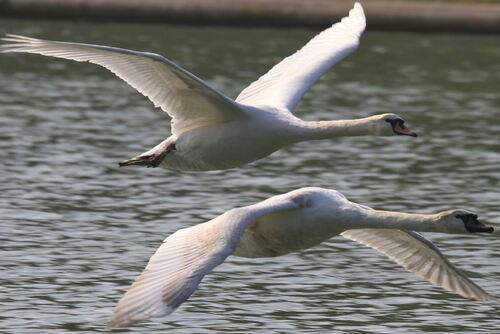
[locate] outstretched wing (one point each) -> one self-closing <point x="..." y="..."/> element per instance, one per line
<point x="285" y="84"/>
<point x="420" y="256"/>
<point x="187" y="99"/>
<point x="178" y="266"/>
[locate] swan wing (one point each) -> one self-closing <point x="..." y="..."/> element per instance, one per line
<point x="420" y="256"/>
<point x="285" y="84"/>
<point x="178" y="266"/>
<point x="187" y="99"/>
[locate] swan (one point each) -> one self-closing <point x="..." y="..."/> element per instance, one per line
<point x="291" y="222"/>
<point x="211" y="131"/>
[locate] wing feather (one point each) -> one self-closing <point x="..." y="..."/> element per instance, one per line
<point x="184" y="258"/>
<point x="420" y="256"/>
<point x="187" y="99"/>
<point x="285" y="84"/>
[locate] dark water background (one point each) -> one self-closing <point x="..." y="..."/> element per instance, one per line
<point x="75" y="230"/>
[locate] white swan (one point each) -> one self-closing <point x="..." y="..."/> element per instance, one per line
<point x="290" y="222"/>
<point x="212" y="131"/>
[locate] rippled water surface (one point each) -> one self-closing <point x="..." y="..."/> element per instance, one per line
<point x="76" y="229"/>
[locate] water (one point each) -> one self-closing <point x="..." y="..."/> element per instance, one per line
<point x="76" y="229"/>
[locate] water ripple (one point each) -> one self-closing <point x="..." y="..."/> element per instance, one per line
<point x="76" y="229"/>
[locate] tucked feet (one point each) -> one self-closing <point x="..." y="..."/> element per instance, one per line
<point x="150" y="160"/>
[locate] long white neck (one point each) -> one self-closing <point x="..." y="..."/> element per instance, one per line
<point x="343" y="128"/>
<point x="396" y="220"/>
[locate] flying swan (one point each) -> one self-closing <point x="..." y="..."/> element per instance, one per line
<point x="211" y="131"/>
<point x="290" y="222"/>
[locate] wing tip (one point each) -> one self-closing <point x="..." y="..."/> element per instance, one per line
<point x="124" y="318"/>
<point x="16" y="43"/>
<point x="358" y="9"/>
<point x="357" y="13"/>
<point x="17" y="38"/>
<point x="118" y="323"/>
<point x="121" y="320"/>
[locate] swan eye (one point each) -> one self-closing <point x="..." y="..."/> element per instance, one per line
<point x="396" y="121"/>
<point x="465" y="216"/>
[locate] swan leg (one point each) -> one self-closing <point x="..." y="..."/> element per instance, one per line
<point x="151" y="158"/>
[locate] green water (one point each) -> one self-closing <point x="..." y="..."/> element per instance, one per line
<point x="76" y="230"/>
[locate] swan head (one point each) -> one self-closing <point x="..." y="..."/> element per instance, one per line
<point x="392" y="124"/>
<point x="463" y="221"/>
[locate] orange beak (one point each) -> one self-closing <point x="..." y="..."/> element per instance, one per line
<point x="400" y="129"/>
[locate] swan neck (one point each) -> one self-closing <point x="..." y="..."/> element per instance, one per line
<point x="401" y="221"/>
<point x="341" y="128"/>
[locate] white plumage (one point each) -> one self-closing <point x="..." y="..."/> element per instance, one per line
<point x="212" y="131"/>
<point x="285" y="84"/>
<point x="290" y="222"/>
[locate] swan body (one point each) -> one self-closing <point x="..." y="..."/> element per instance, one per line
<point x="211" y="131"/>
<point x="290" y="222"/>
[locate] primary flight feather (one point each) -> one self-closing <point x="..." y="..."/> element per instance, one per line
<point x="210" y="130"/>
<point x="291" y="222"/>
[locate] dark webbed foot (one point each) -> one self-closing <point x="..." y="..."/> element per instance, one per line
<point x="152" y="160"/>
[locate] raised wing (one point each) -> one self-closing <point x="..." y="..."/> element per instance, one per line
<point x="285" y="84"/>
<point x="178" y="266"/>
<point x="420" y="256"/>
<point x="187" y="99"/>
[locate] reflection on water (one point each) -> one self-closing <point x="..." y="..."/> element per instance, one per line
<point x="76" y="229"/>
